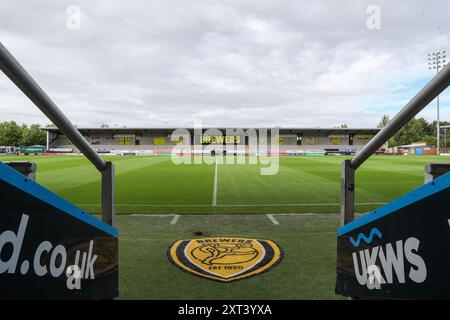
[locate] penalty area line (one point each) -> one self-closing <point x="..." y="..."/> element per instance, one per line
<point x="175" y="219"/>
<point x="272" y="219"/>
<point x="271" y="216"/>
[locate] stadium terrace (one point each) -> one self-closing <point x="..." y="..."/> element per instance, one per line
<point x="159" y="141"/>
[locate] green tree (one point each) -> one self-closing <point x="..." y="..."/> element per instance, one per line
<point x="384" y="121"/>
<point x="407" y="134"/>
<point x="34" y="136"/>
<point x="23" y="132"/>
<point x="430" y="140"/>
<point x="10" y="133"/>
<point x="415" y="130"/>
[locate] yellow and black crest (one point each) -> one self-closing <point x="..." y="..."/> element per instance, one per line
<point x="225" y="258"/>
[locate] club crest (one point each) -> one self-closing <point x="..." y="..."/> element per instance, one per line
<point x="225" y="259"/>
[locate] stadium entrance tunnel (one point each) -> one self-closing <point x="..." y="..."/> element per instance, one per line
<point x="49" y="248"/>
<point x="401" y="250"/>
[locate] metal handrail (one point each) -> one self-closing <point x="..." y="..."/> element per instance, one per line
<point x="23" y="80"/>
<point x="433" y="88"/>
<point x="438" y="84"/>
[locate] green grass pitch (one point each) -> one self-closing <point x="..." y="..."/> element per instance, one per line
<point x="154" y="185"/>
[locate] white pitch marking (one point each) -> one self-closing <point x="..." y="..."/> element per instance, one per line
<point x="297" y="214"/>
<point x="227" y="215"/>
<point x="231" y="205"/>
<point x="214" y="200"/>
<point x="151" y="215"/>
<point x="175" y="219"/>
<point x="272" y="219"/>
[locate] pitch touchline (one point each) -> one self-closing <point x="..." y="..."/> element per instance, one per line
<point x="175" y="217"/>
<point x="232" y="205"/>
<point x="227" y="215"/>
<point x="214" y="200"/>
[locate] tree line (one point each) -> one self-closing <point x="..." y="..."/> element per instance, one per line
<point x="415" y="130"/>
<point x="12" y="134"/>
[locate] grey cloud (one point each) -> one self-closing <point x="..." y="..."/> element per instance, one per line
<point x="226" y="63"/>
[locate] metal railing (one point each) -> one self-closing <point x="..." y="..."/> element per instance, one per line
<point x="433" y="88"/>
<point x="23" y="80"/>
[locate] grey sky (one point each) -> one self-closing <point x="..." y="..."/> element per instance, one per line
<point x="225" y="63"/>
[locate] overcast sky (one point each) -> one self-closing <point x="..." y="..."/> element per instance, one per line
<point x="226" y="63"/>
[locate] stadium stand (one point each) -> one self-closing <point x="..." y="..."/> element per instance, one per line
<point x="156" y="141"/>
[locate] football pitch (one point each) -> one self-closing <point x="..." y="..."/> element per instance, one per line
<point x="156" y="185"/>
<point x="159" y="202"/>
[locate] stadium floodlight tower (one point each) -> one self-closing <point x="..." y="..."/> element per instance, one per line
<point x="436" y="61"/>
